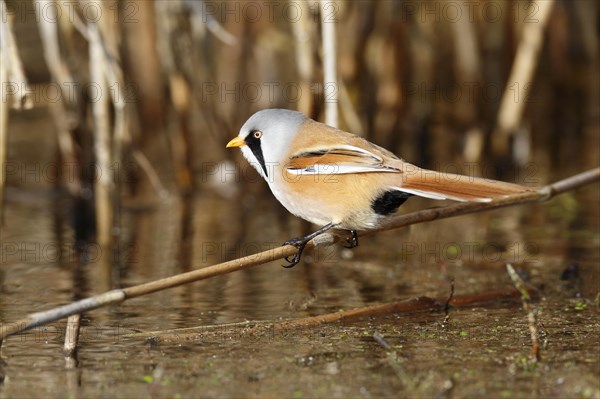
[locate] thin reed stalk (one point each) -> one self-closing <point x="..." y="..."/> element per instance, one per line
<point x="22" y="98"/>
<point x="330" y="81"/>
<point x="102" y="139"/>
<point x="3" y="138"/>
<point x="13" y="80"/>
<point x="519" y="83"/>
<point x="303" y="50"/>
<point x="62" y="76"/>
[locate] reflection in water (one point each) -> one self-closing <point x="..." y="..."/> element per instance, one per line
<point x="180" y="235"/>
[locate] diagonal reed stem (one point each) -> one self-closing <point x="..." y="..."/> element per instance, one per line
<point x="120" y="295"/>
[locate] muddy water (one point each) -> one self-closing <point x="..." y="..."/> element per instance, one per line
<point x="479" y="351"/>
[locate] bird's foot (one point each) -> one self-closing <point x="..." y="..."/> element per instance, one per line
<point x="352" y="241"/>
<point x="300" y="243"/>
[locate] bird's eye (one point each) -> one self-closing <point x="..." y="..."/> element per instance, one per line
<point x="257" y="134"/>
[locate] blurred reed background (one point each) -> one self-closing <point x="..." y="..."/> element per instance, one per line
<point x="150" y="91"/>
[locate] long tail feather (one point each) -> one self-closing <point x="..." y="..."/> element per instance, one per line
<point x="439" y="185"/>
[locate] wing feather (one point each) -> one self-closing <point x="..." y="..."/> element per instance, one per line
<point x="343" y="159"/>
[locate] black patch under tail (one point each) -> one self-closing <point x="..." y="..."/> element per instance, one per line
<point x="388" y="202"/>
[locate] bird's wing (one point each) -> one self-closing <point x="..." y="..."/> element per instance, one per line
<point x="347" y="159"/>
<point x="339" y="152"/>
<point x="341" y="159"/>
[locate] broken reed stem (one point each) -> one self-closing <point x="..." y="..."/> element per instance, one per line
<point x="120" y="295"/>
<point x="531" y="313"/>
<point x="450" y="296"/>
<point x="410" y="305"/>
<point x="447" y="304"/>
<point x="71" y="340"/>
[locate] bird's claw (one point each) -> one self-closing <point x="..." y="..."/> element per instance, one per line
<point x="299" y="243"/>
<point x="352" y="241"/>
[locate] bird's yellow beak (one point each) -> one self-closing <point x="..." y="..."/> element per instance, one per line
<point x="236" y="142"/>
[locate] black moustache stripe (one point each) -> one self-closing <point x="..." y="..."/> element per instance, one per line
<point x="254" y="144"/>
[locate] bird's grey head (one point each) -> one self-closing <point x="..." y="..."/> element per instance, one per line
<point x="267" y="136"/>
